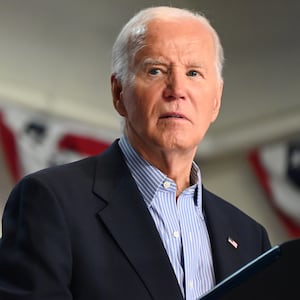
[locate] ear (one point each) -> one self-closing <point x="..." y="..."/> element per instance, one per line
<point x="117" y="95"/>
<point x="217" y="101"/>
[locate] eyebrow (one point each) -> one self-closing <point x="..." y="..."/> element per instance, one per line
<point x="153" y="61"/>
<point x="157" y="61"/>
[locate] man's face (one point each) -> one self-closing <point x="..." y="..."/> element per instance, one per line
<point x="175" y="94"/>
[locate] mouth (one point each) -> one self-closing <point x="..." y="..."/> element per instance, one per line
<point x="173" y="115"/>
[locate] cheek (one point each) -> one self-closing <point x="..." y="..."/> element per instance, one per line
<point x="136" y="110"/>
<point x="129" y="102"/>
<point x="141" y="104"/>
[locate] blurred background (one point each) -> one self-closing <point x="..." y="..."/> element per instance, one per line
<point x="55" y="102"/>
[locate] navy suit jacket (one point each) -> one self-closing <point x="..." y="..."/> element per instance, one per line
<point x="82" y="231"/>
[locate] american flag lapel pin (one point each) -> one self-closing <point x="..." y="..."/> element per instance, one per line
<point x="232" y="242"/>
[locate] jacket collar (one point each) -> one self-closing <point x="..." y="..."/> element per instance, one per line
<point x="126" y="216"/>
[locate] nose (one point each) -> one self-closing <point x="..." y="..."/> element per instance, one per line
<point x="175" y="86"/>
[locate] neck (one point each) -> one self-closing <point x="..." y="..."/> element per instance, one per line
<point x="176" y="165"/>
<point x="171" y="159"/>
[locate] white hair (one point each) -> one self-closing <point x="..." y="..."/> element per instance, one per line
<point x="132" y="36"/>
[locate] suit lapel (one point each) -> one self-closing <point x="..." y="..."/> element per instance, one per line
<point x="224" y="242"/>
<point x="126" y="216"/>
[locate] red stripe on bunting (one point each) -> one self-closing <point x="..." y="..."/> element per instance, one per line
<point x="292" y="228"/>
<point x="9" y="147"/>
<point x="82" y="144"/>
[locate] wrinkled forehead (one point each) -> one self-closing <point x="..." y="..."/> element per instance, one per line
<point x="184" y="37"/>
<point x="189" y="33"/>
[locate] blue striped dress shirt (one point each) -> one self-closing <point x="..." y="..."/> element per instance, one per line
<point x="180" y="223"/>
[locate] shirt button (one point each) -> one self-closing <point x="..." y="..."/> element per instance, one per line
<point x="167" y="184"/>
<point x="176" y="234"/>
<point x="191" y="284"/>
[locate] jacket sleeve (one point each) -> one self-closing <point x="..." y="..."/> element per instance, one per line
<point x="35" y="252"/>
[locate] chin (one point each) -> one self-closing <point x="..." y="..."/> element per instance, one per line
<point x="177" y="143"/>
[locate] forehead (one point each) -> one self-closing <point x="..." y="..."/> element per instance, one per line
<point x="182" y="36"/>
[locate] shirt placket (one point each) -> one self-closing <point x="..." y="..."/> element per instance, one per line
<point x="186" y="213"/>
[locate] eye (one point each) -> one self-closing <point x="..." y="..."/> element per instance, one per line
<point x="193" y="73"/>
<point x="154" y="71"/>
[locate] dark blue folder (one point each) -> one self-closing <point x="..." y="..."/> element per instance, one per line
<point x="273" y="275"/>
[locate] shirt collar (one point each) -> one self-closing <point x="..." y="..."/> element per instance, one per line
<point x="148" y="178"/>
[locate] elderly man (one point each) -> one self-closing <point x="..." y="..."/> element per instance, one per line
<point x="135" y="222"/>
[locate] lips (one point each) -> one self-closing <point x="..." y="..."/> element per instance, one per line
<point x="173" y="115"/>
